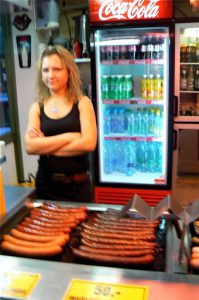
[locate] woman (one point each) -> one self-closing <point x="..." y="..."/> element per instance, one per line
<point x="61" y="129"/>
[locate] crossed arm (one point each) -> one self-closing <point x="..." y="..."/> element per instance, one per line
<point x="65" y="144"/>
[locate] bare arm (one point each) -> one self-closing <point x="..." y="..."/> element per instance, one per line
<point x="36" y="142"/>
<point x="87" y="140"/>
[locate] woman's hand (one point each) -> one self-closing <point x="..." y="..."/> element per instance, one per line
<point x="34" y="132"/>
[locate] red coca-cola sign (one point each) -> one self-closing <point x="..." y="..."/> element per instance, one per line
<point x="129" y="10"/>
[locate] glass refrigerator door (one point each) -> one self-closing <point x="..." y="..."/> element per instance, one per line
<point x="187" y="71"/>
<point x="132" y="104"/>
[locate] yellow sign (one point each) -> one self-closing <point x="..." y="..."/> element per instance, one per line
<point x="17" y="285"/>
<point x="88" y="290"/>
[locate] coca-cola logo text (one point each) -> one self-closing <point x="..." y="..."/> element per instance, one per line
<point x="136" y="9"/>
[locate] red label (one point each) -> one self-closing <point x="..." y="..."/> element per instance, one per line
<point x="123" y="10"/>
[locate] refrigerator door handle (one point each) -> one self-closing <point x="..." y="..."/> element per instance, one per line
<point x="175" y="106"/>
<point x="175" y="139"/>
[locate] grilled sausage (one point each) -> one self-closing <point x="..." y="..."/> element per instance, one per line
<point x="109" y="217"/>
<point x="44" y="251"/>
<point x="123" y="252"/>
<point x="121" y="246"/>
<point x="60" y="241"/>
<point x="80" y="216"/>
<point x="36" y="212"/>
<point x="38" y="231"/>
<point x="62" y="209"/>
<point x="50" y="221"/>
<point x="113" y="235"/>
<point x="134" y="240"/>
<point x="118" y="229"/>
<point x="141" y="260"/>
<point x="46" y="223"/>
<point x="117" y="223"/>
<point x="32" y="237"/>
<point x="44" y="228"/>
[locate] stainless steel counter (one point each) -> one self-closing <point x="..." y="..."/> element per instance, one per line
<point x="14" y="198"/>
<point x="55" y="278"/>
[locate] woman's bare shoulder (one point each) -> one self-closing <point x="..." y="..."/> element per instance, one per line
<point x="35" y="107"/>
<point x="84" y="99"/>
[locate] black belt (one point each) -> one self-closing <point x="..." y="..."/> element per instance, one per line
<point x="62" y="178"/>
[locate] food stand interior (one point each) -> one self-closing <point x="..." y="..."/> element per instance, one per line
<point x="176" y="280"/>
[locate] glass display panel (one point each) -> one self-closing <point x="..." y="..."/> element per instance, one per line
<point x="132" y="103"/>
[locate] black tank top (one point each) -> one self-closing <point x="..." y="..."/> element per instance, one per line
<point x="69" y="123"/>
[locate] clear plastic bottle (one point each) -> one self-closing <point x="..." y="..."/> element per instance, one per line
<point x="115" y="155"/>
<point x="158" y="122"/>
<point x="142" y="156"/>
<point x="130" y="158"/>
<point x="150" y="87"/>
<point x="138" y="121"/>
<point x="145" y="122"/>
<point x="130" y="122"/>
<point x="144" y="87"/>
<point x="108" y="161"/>
<point x="121" y="120"/>
<point x="151" y="158"/>
<point x="157" y="87"/>
<point x="114" y="121"/>
<point x="158" y="156"/>
<point x="152" y="121"/>
<point x="107" y="121"/>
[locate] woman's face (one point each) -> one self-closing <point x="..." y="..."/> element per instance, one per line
<point x="54" y="73"/>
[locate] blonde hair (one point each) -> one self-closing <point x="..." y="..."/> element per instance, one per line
<point x="74" y="88"/>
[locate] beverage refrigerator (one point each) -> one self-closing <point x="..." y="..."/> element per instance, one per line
<point x="186" y="108"/>
<point x="132" y="92"/>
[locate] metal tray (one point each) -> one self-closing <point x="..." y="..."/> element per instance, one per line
<point x="68" y="256"/>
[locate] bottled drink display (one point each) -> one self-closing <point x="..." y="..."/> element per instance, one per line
<point x="132" y="105"/>
<point x="183" y="79"/>
<point x="190" y="79"/>
<point x="131" y="157"/>
<point x="136" y="122"/>
<point x="196" y="79"/>
<point x="188" y="65"/>
<point x="118" y="87"/>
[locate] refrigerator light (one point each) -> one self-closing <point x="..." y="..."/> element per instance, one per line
<point x="191" y="32"/>
<point x="118" y="42"/>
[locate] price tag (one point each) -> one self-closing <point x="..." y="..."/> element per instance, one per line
<point x="17" y="285"/>
<point x="88" y="290"/>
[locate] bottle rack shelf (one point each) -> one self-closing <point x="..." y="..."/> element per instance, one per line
<point x="133" y="138"/>
<point x="188" y="92"/>
<point x="133" y="101"/>
<point x="133" y="62"/>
